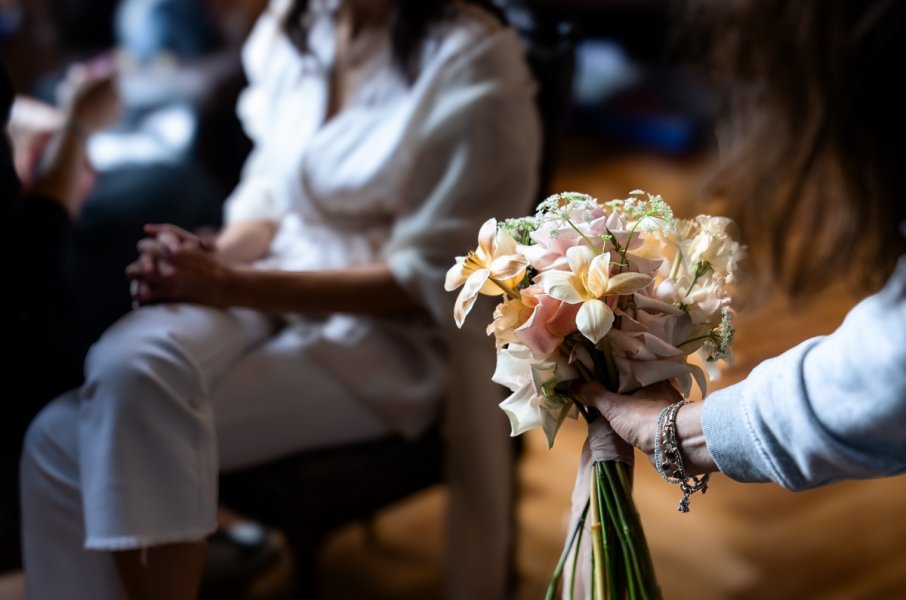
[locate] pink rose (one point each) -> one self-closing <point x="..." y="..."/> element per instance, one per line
<point x="550" y="322"/>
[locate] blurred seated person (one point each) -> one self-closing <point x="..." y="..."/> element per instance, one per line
<point x="386" y="132"/>
<point x="178" y="66"/>
<point x="175" y="152"/>
<point x="39" y="322"/>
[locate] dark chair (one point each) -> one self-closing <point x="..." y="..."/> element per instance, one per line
<point x="375" y="475"/>
<point x="371" y="475"/>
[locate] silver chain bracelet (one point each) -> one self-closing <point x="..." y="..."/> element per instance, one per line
<point x="669" y="461"/>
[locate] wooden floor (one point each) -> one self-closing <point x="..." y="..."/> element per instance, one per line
<point x="846" y="541"/>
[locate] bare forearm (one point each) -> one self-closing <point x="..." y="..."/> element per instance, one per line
<point x="245" y="242"/>
<point x="60" y="173"/>
<point x="696" y="456"/>
<point x="370" y="290"/>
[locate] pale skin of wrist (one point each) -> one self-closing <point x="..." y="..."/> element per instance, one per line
<point x="245" y="242"/>
<point x="61" y="170"/>
<point x="93" y="104"/>
<point x="368" y="289"/>
<point x="634" y="418"/>
<point x="697" y="458"/>
<point x="176" y="266"/>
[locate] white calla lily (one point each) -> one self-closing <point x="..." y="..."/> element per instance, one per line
<point x="533" y="402"/>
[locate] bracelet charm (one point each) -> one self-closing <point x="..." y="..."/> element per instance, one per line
<point x="669" y="461"/>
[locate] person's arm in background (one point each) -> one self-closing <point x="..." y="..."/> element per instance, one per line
<point x="454" y="193"/>
<point x="94" y="104"/>
<point x="176" y="265"/>
<point x="38" y="325"/>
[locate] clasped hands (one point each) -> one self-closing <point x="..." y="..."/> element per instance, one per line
<point x="175" y="265"/>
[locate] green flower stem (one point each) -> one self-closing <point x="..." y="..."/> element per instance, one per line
<point x="583" y="236"/>
<point x="613" y="375"/>
<point x="574" y="538"/>
<point x="629" y="241"/>
<point x="599" y="548"/>
<point x="695" y="339"/>
<point x="604" y="476"/>
<point x="700" y="269"/>
<point x="583" y="371"/>
<point x="633" y="533"/>
<point x="513" y="294"/>
<point x="651" y="586"/>
<point x="627" y="533"/>
<point x="618" y="541"/>
<point x="613" y="240"/>
<point x="572" y="576"/>
<point x="611" y="543"/>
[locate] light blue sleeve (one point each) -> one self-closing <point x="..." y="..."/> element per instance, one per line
<point x="831" y="408"/>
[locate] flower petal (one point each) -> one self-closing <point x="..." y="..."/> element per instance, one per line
<point x="486" y="236"/>
<point x="504" y="243"/>
<point x="535" y="333"/>
<point x="551" y="423"/>
<point x="514" y="367"/>
<point x="457" y="275"/>
<point x="563" y="322"/>
<point x="508" y="266"/>
<point x="579" y="258"/>
<point x="523" y="409"/>
<point x="489" y="288"/>
<point x="468" y="294"/>
<point x="561" y="285"/>
<point x="700" y="378"/>
<point x="594" y="320"/>
<point x="598" y="275"/>
<point x="628" y="283"/>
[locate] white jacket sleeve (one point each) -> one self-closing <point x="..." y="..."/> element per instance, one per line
<point x="831" y="408"/>
<point x="476" y="154"/>
<point x="262" y="193"/>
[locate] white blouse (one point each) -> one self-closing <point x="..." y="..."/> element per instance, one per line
<point x="347" y="190"/>
<point x="403" y="175"/>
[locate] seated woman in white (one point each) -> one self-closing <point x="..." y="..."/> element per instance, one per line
<point x="385" y="134"/>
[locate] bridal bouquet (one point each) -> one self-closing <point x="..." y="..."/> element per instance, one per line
<point x="621" y="292"/>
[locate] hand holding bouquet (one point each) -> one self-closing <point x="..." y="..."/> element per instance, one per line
<point x="620" y="292"/>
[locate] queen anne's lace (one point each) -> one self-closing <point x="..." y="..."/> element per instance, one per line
<point x="634" y="288"/>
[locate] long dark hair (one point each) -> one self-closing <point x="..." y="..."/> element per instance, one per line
<point x="813" y="162"/>
<point x="411" y="23"/>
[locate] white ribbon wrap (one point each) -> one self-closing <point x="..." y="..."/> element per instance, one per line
<point x="602" y="444"/>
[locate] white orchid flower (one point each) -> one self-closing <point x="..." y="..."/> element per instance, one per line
<point x="533" y="402"/>
<point x="587" y="282"/>
<point x="491" y="269"/>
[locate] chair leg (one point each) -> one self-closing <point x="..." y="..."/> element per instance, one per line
<point x="305" y="553"/>
<point x="370" y="530"/>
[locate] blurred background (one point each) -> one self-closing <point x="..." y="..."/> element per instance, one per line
<point x="632" y="114"/>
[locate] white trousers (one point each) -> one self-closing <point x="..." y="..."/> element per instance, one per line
<point x="173" y="394"/>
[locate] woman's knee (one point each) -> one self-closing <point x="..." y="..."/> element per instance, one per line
<point x="138" y="353"/>
<point x="50" y="447"/>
